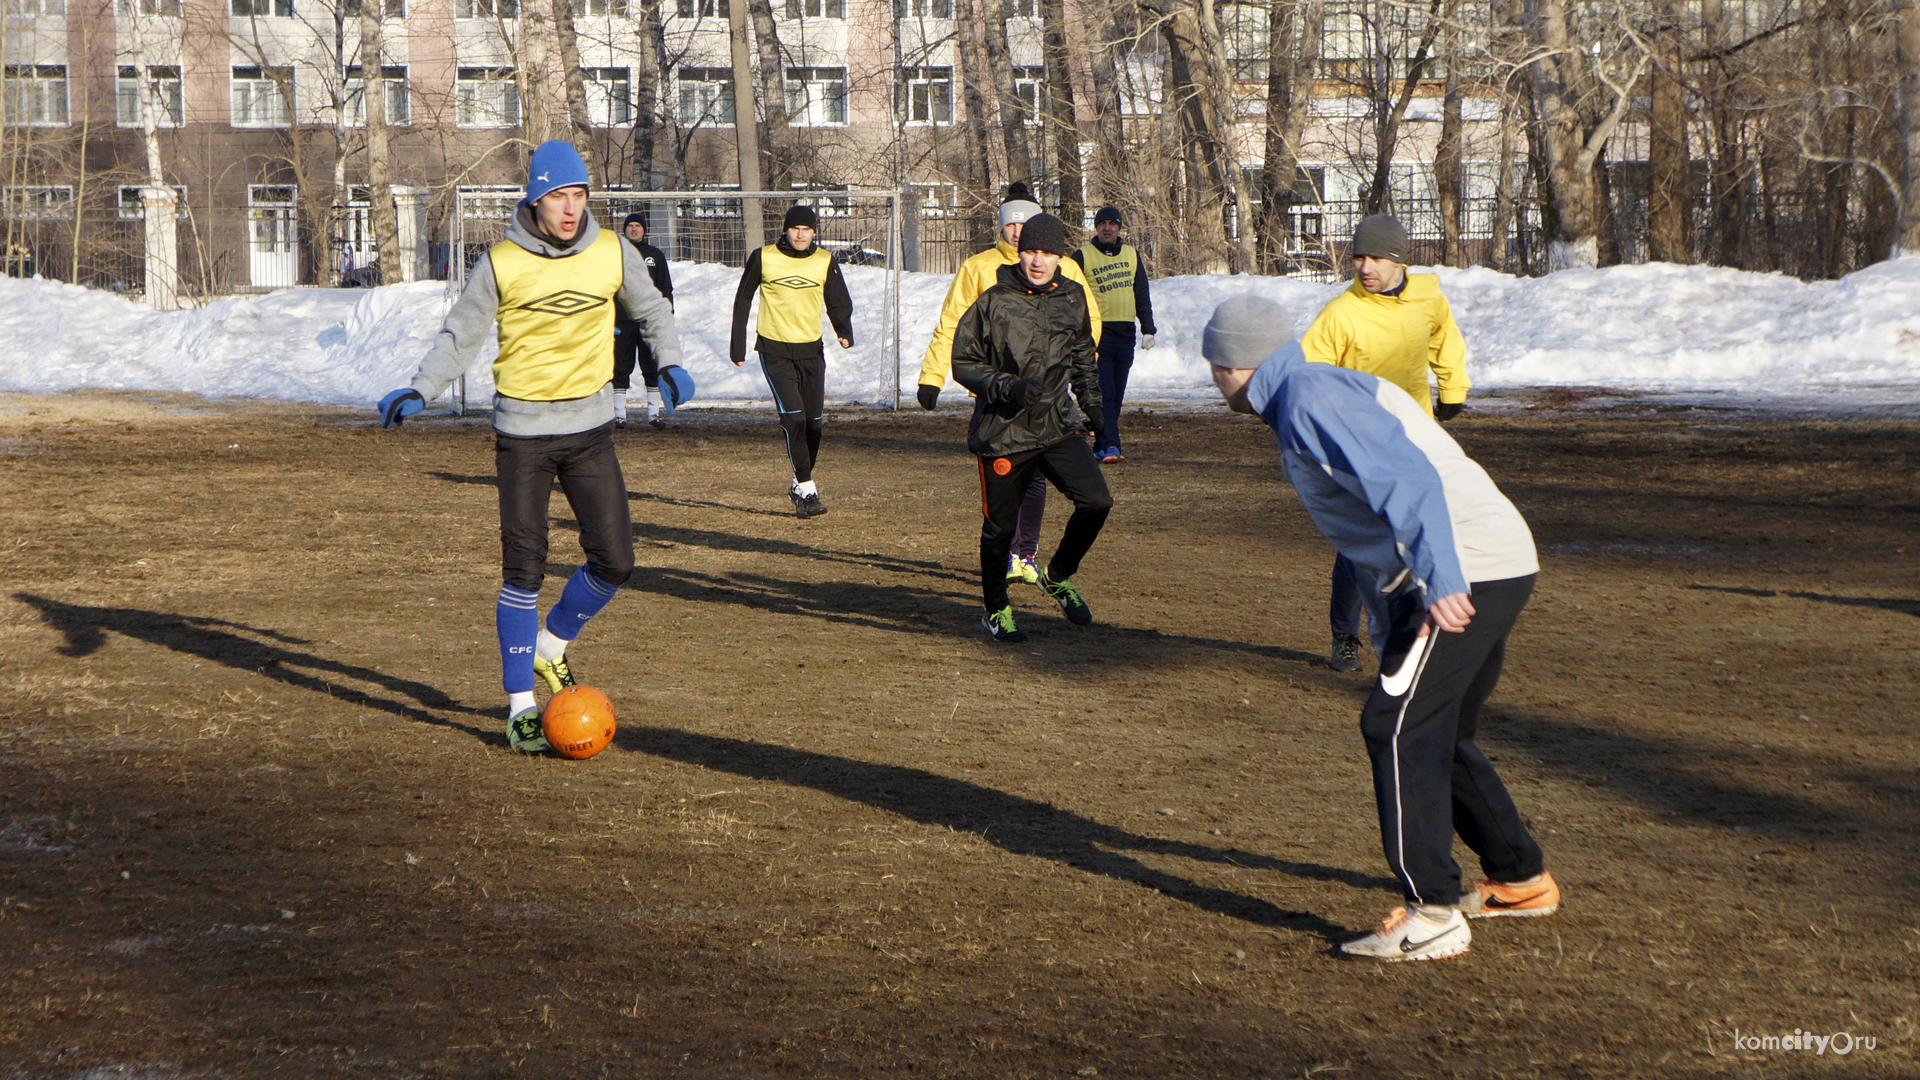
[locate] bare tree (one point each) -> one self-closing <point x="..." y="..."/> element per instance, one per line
<point x="1293" y="59"/>
<point x="1580" y="105"/>
<point x="1449" y="165"/>
<point x="1013" y="124"/>
<point x="1669" y="181"/>
<point x="373" y="99"/>
<point x="579" y="121"/>
<point x="1907" y="203"/>
<point x="1061" y="124"/>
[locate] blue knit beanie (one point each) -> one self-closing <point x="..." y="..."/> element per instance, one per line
<point x="555" y="164"/>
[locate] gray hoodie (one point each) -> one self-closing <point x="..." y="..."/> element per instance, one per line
<point x="471" y="321"/>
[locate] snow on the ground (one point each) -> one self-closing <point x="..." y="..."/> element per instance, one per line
<point x="1658" y="327"/>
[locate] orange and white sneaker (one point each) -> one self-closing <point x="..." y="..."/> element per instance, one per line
<point x="1531" y="898"/>
<point x="1417" y="933"/>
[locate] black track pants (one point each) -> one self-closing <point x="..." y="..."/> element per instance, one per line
<point x="800" y="394"/>
<point x="629" y="348"/>
<point x="589" y="474"/>
<point x="1429" y="778"/>
<point x="1073" y="468"/>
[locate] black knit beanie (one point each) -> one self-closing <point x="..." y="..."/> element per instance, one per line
<point x="801" y="215"/>
<point x="1381" y="237"/>
<point x="633" y="217"/>
<point x="1044" y="232"/>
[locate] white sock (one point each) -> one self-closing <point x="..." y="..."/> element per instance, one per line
<point x="653" y="401"/>
<point x="1433" y="913"/>
<point x="549" y="646"/>
<point x="519" y="703"/>
<point x="620" y="404"/>
<point x="806" y="488"/>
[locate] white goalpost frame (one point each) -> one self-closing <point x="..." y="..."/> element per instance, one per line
<point x="493" y="205"/>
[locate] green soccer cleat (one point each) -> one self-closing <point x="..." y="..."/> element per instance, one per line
<point x="524" y="733"/>
<point x="1000" y="625"/>
<point x="557" y="674"/>
<point x="1068" y="597"/>
<point x="1021" y="568"/>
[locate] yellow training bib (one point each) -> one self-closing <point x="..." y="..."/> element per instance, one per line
<point x="792" y="294"/>
<point x="1111" y="278"/>
<point x="556" y="319"/>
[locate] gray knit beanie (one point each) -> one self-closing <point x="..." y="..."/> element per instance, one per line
<point x="1019" y="205"/>
<point x="1244" y="331"/>
<point x="1381" y="237"/>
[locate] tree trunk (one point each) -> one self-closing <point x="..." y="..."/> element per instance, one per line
<point x="1670" y="176"/>
<point x="1449" y="173"/>
<point x="1293" y="55"/>
<point x="1061" y="123"/>
<point x="1013" y="130"/>
<point x="770" y="84"/>
<point x="1562" y="85"/>
<point x="978" y="197"/>
<point x="535" y="111"/>
<point x="158" y="198"/>
<point x="1110" y="177"/>
<point x="648" y="78"/>
<point x="579" y="121"/>
<point x="373" y="94"/>
<point x="1390" y="109"/>
<point x="1906" y="232"/>
<point x="1226" y="116"/>
<point x="1503" y="195"/>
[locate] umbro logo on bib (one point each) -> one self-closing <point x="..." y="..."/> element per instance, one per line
<point x="565" y="302"/>
<point x="794" y="282"/>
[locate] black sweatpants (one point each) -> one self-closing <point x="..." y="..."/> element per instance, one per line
<point x="589" y="474"/>
<point x="1114" y="355"/>
<point x="1074" y="469"/>
<point x="800" y="395"/>
<point x="630" y="348"/>
<point x="1429" y="778"/>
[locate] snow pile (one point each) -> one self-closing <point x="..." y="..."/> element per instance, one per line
<point x="1656" y="327"/>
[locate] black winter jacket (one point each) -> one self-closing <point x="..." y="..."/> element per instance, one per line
<point x="1015" y="331"/>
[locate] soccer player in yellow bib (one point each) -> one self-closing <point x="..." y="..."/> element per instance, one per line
<point x="552" y="286"/>
<point x="1398" y="326"/>
<point x="794" y="277"/>
<point x="977" y="275"/>
<point x="1118" y="281"/>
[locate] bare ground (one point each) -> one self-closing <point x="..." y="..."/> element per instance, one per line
<point x="257" y="816"/>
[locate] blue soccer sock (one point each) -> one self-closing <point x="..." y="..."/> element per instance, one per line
<point x="581" y="600"/>
<point x="517" y="617"/>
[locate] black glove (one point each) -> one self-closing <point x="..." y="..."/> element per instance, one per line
<point x="1099" y="437"/>
<point x="929" y="396"/>
<point x="1447" y="410"/>
<point x="1023" y="391"/>
<point x="399" y="405"/>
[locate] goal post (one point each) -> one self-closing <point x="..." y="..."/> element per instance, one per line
<point x="861" y="227"/>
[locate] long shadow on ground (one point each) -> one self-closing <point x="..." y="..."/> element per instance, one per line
<point x="223" y="643"/>
<point x="1886" y="603"/>
<point x="1018" y="825"/>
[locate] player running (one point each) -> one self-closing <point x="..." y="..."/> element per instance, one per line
<point x="552" y="286"/>
<point x="976" y="276"/>
<point x="795" y="277"/>
<point x="1118" y="280"/>
<point x="1445" y="564"/>
<point x="1025" y="349"/>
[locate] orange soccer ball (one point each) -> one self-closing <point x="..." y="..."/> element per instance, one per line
<point x="578" y="722"/>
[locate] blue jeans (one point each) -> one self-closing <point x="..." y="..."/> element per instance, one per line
<point x="1114" y="357"/>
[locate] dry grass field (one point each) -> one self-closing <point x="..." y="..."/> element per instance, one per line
<point x="258" y="817"/>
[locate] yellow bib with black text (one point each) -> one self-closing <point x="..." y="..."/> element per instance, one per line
<point x="556" y="319"/>
<point x="792" y="294"/>
<point x="1111" y="277"/>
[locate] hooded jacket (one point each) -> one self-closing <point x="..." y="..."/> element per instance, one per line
<point x="1018" y="330"/>
<point x="554" y="338"/>
<point x="1386" y="484"/>
<point x="1396" y="337"/>
<point x="977" y="275"/>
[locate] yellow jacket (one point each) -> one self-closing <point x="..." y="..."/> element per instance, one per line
<point x="1395" y="337"/>
<point x="976" y="276"/>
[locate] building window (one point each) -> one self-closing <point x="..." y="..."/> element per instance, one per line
<point x="30" y="8"/>
<point x="257" y="100"/>
<point x="816" y="96"/>
<point x="928" y="93"/>
<point x="37" y="95"/>
<point x="125" y="8"/>
<point x="390" y="9"/>
<point x="167" y="108"/>
<point x="703" y="9"/>
<point x="600" y="7"/>
<point x="393" y="80"/>
<point x="1025" y="9"/>
<point x="706" y="97"/>
<point x="263" y="9"/>
<point x="1030" y="86"/>
<point x="923" y="9"/>
<point x="133" y="206"/>
<point x="39" y="203"/>
<point x="486" y="97"/>
<point x="487" y="9"/>
<point x="609" y="96"/>
<point x="816" y="9"/>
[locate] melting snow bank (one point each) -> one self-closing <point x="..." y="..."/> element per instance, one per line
<point x="1654" y="328"/>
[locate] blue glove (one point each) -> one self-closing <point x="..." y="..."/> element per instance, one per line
<point x="399" y="405"/>
<point x="676" y="388"/>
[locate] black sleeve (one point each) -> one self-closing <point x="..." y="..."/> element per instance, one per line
<point x="742" y="304"/>
<point x="839" y="303"/>
<point x="1080" y="256"/>
<point x="973" y="355"/>
<point x="1085" y="375"/>
<point x="662" y="277"/>
<point x="1142" y="299"/>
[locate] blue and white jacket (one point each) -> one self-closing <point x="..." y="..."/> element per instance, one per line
<point x="1390" y="489"/>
